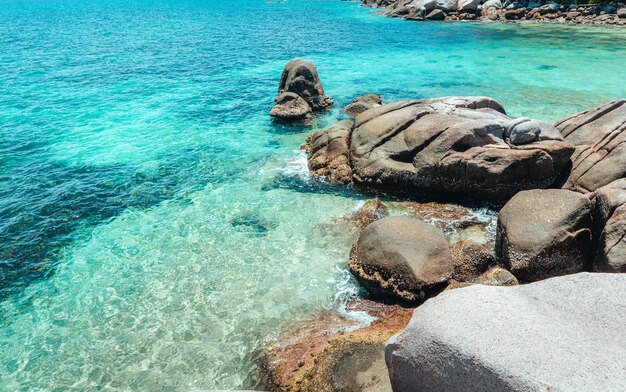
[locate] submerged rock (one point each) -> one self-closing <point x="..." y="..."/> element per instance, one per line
<point x="401" y="258"/>
<point x="372" y="210"/>
<point x="544" y="233"/>
<point x="561" y="334"/>
<point x="300" y="78"/>
<point x="458" y="145"/>
<point x="363" y="103"/>
<point x="334" y="353"/>
<point x="610" y="227"/>
<point x="599" y="136"/>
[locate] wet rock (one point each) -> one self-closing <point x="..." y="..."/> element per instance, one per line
<point x="401" y="258"/>
<point x="610" y="227"/>
<point x="334" y="353"/>
<point x="544" y="233"/>
<point x="300" y="77"/>
<point x="372" y="210"/>
<point x="470" y="259"/>
<point x="363" y="103"/>
<point x="498" y="276"/>
<point x="599" y="138"/>
<point x="328" y="152"/>
<point x="454" y="145"/>
<point x="561" y="334"/>
<point x="291" y="107"/>
<point x="442" y="215"/>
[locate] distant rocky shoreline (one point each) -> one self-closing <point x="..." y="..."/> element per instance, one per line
<point x="613" y="14"/>
<point x="538" y="304"/>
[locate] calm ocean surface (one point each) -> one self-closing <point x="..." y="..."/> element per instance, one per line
<point x="156" y="228"/>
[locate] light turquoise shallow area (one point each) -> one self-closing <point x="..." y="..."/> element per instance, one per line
<point x="156" y="228"/>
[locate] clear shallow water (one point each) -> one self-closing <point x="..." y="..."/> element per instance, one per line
<point x="156" y="227"/>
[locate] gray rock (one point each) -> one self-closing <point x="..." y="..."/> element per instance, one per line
<point x="363" y="103"/>
<point x="610" y="227"/>
<point x="453" y="145"/>
<point x="300" y="77"/>
<point x="435" y="15"/>
<point x="621" y="13"/>
<point x="561" y="334"/>
<point x="468" y="5"/>
<point x="401" y="258"/>
<point x="290" y="107"/>
<point x="446" y="5"/>
<point x="425" y="5"/>
<point x="328" y="152"/>
<point x="544" y="233"/>
<point x="599" y="136"/>
<point x="492" y="4"/>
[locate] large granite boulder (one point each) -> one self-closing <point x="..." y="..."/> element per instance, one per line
<point x="610" y="227"/>
<point x="300" y="78"/>
<point x="328" y="152"/>
<point x="401" y="258"/>
<point x="599" y="136"/>
<point x="459" y="145"/>
<point x="544" y="233"/>
<point x="561" y="334"/>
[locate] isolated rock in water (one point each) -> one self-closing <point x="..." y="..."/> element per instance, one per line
<point x="300" y="77"/>
<point x="599" y="136"/>
<point x="462" y="145"/>
<point x="544" y="233"/>
<point x="470" y="260"/>
<point x="400" y="258"/>
<point x="291" y="107"/>
<point x="328" y="152"/>
<point x="363" y="103"/>
<point x="610" y="227"/>
<point x="561" y="334"/>
<point x="498" y="276"/>
<point x="372" y="210"/>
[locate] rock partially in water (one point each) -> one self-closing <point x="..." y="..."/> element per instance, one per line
<point x="470" y="260"/>
<point x="545" y="233"/>
<point x="400" y="258"/>
<point x="291" y="107"/>
<point x="454" y="145"/>
<point x="300" y="77"/>
<point x="328" y="152"/>
<point x="334" y="353"/>
<point x="561" y="334"/>
<point x="610" y="227"/>
<point x="599" y="136"/>
<point x="363" y="103"/>
<point x="372" y="210"/>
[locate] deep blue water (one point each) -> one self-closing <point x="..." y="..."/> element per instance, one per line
<point x="155" y="226"/>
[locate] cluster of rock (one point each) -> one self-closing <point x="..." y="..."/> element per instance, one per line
<point x="300" y="92"/>
<point x="563" y="190"/>
<point x="508" y="10"/>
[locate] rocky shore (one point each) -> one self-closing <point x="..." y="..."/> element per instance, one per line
<point x="533" y="302"/>
<point x="505" y="11"/>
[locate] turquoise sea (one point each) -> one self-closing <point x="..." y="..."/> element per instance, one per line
<point x="156" y="228"/>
